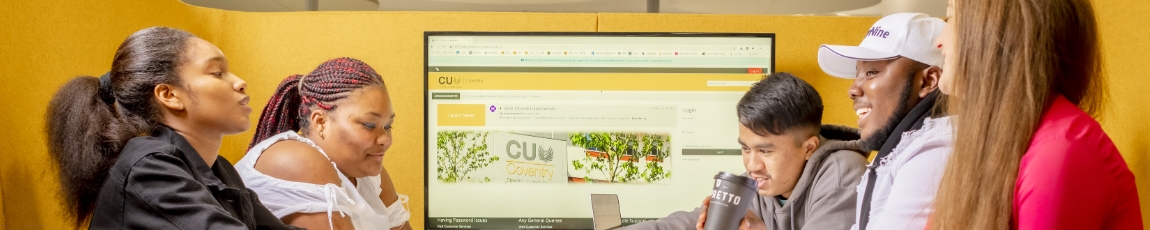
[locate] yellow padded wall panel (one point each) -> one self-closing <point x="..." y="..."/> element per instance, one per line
<point x="1124" y="30"/>
<point x="266" y="48"/>
<point x="43" y="45"/>
<point x="3" y="224"/>
<point x="797" y="40"/>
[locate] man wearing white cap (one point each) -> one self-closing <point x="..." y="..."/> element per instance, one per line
<point x="896" y="72"/>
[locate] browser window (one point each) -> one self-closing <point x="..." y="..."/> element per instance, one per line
<point x="522" y="127"/>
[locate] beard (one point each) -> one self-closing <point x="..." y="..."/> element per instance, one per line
<point x="879" y="137"/>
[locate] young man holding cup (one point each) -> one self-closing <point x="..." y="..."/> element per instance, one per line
<point x="804" y="172"/>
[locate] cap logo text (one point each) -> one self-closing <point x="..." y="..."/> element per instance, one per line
<point x="878" y="32"/>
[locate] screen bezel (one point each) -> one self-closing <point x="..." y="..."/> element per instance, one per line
<point x="427" y="35"/>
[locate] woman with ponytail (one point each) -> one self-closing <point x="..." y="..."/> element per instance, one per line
<point x="139" y="147"/>
<point x="317" y="156"/>
<point x="1025" y="79"/>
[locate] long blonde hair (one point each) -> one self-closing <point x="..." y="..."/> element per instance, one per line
<point x="1014" y="58"/>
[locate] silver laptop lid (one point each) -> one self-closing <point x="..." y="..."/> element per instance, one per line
<point x="605" y="211"/>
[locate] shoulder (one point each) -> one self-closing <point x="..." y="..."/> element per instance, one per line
<point x="936" y="133"/>
<point x="1067" y="137"/>
<point x="297" y="161"/>
<point x="1069" y="148"/>
<point x="843" y="168"/>
<point x="845" y="159"/>
<point x="149" y="150"/>
<point x="938" y="129"/>
<point x="1065" y="121"/>
<point x="934" y="140"/>
<point x="139" y="147"/>
<point x="146" y="165"/>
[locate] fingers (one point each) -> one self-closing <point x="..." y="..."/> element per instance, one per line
<point x="745" y="223"/>
<point x="703" y="213"/>
<point x="702" y="218"/>
<point x="752" y="222"/>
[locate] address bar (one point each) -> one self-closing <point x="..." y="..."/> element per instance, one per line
<point x="730" y="83"/>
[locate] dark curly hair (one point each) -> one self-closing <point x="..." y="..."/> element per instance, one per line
<point x="88" y="123"/>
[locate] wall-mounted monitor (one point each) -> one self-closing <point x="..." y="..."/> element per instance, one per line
<point x="523" y="127"/>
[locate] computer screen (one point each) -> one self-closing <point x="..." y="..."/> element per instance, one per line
<point x="522" y="127"/>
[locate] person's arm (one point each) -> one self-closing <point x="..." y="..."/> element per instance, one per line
<point x="387" y="188"/>
<point x="299" y="162"/>
<point x="1062" y="184"/>
<point x="264" y="217"/>
<point x="165" y="184"/>
<point x="908" y="205"/>
<point x="833" y="205"/>
<point x="388" y="195"/>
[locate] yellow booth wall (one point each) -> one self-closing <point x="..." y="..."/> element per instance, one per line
<point x="42" y="45"/>
<point x="45" y="43"/>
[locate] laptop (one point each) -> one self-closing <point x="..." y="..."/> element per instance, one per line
<point x="605" y="212"/>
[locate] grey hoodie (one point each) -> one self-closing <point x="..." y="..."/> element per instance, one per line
<point x="824" y="197"/>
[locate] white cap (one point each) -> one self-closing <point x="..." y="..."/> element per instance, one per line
<point x="909" y="35"/>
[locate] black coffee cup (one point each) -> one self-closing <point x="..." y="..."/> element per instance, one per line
<point x="730" y="199"/>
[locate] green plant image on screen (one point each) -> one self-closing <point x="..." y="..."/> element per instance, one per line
<point x="617" y="157"/>
<point x="461" y="152"/>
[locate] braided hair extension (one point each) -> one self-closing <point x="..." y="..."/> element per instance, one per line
<point x="297" y="95"/>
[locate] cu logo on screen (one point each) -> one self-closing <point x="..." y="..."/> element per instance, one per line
<point x="447" y="80"/>
<point x="515" y="149"/>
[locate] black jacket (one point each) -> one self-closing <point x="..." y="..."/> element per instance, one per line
<point x="161" y="182"/>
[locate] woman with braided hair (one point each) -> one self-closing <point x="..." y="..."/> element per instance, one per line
<point x="316" y="159"/>
<point x="138" y="148"/>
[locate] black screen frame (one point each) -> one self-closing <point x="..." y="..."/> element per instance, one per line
<point x="427" y="35"/>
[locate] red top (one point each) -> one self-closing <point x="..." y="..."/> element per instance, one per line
<point x="1072" y="176"/>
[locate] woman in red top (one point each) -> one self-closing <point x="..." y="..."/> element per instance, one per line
<point x="1025" y="79"/>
